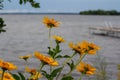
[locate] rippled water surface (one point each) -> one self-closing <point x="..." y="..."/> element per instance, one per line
<point x="26" y="34"/>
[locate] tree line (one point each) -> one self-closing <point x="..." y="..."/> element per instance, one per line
<point x="100" y="12"/>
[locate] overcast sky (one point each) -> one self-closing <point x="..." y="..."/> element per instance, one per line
<point x="63" y="5"/>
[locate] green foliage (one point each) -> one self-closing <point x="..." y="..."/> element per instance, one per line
<point x="67" y="78"/>
<point x="100" y="12"/>
<point x="2" y="25"/>
<point x="18" y="76"/>
<point x="54" y="52"/>
<point x="32" y="2"/>
<point x="60" y="56"/>
<point x="1" y="5"/>
<point x="71" y="65"/>
<point x="53" y="74"/>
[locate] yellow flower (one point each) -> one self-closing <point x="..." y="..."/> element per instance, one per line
<point x="46" y="59"/>
<point x="84" y="47"/>
<point x="35" y="76"/>
<point x="7" y="65"/>
<point x="85" y="68"/>
<point x="93" y="46"/>
<point x="31" y="71"/>
<point x="7" y="76"/>
<point x="34" y="73"/>
<point x="25" y="57"/>
<point x="50" y="22"/>
<point x="80" y="47"/>
<point x="58" y="39"/>
<point x="92" y="52"/>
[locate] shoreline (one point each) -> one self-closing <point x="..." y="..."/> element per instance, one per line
<point x="20" y="13"/>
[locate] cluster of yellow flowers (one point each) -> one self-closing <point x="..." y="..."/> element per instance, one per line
<point x="84" y="47"/>
<point x="46" y="59"/>
<point x="81" y="48"/>
<point x="34" y="73"/>
<point x="85" y="68"/>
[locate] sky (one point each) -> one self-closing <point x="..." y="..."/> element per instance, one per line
<point x="62" y="6"/>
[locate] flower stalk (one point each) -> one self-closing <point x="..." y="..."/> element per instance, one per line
<point x="3" y="71"/>
<point x="67" y="60"/>
<point x="50" y="37"/>
<point x="78" y="61"/>
<point x="80" y="78"/>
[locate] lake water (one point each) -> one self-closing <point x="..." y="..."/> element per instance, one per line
<point x="27" y="34"/>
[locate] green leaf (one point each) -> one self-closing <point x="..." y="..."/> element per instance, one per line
<point x="20" y="2"/>
<point x="66" y="56"/>
<point x="32" y="2"/>
<point x="25" y="1"/>
<point x="21" y="76"/>
<point x="36" y="5"/>
<point x="2" y="25"/>
<point x="55" y="72"/>
<point x="50" y="52"/>
<point x="60" y="56"/>
<point x="67" y="78"/>
<point x="44" y="73"/>
<point x="16" y="76"/>
<point x="71" y="65"/>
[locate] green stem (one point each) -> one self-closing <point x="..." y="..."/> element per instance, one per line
<point x="41" y="66"/>
<point x="50" y="69"/>
<point x="67" y="60"/>
<point x="50" y="37"/>
<point x="79" y="60"/>
<point x="80" y="78"/>
<point x="3" y="74"/>
<point x="50" y="44"/>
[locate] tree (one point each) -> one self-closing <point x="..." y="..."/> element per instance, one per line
<point x="33" y="3"/>
<point x="2" y="24"/>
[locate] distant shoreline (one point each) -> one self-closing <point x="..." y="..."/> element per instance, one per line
<point x="39" y="13"/>
<point x="100" y="12"/>
<point x="19" y="13"/>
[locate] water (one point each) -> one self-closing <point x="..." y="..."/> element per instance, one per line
<point x="27" y="34"/>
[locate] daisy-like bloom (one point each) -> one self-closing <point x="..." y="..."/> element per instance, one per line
<point x="85" y="68"/>
<point x="59" y="39"/>
<point x="93" y="48"/>
<point x="25" y="57"/>
<point x="50" y="22"/>
<point x="34" y="73"/>
<point x="80" y="47"/>
<point x="7" y="76"/>
<point x="7" y="65"/>
<point x="46" y="59"/>
<point x="84" y="47"/>
<point x="35" y="76"/>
